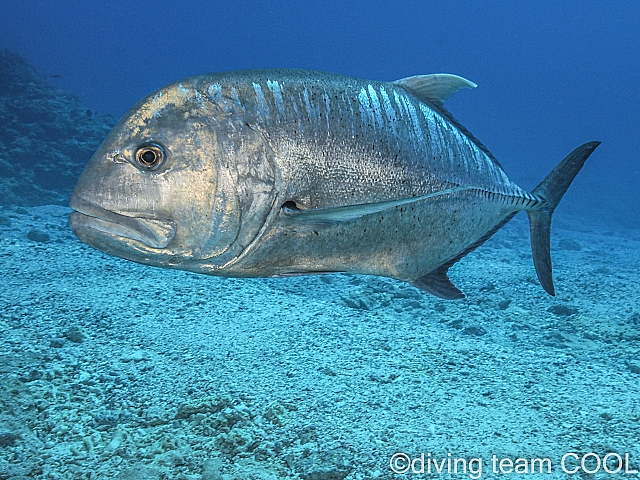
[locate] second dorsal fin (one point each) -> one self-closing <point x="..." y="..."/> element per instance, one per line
<point x="434" y="88"/>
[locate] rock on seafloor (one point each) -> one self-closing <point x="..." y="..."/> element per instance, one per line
<point x="47" y="136"/>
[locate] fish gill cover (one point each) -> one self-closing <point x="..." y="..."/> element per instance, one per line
<point x="46" y="138"/>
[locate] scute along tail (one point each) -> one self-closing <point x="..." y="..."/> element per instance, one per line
<point x="550" y="191"/>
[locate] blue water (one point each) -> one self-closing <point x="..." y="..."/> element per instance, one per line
<point x="551" y="76"/>
<point x="302" y="378"/>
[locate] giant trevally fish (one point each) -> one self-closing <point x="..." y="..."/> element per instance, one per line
<point x="266" y="173"/>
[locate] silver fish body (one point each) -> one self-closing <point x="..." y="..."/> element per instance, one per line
<point x="285" y="172"/>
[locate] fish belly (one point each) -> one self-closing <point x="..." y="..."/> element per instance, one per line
<point x="403" y="242"/>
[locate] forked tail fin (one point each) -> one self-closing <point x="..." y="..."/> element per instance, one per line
<point x="551" y="190"/>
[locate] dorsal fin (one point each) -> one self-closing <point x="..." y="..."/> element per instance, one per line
<point x="434" y="88"/>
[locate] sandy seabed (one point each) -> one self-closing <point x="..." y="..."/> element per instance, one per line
<point x="110" y="369"/>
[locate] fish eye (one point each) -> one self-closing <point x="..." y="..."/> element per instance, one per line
<point x="150" y="156"/>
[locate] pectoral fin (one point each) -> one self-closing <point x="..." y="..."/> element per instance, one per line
<point x="331" y="215"/>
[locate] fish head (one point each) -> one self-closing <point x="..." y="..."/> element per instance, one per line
<point x="154" y="192"/>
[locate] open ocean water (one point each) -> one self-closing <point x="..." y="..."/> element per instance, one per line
<point x="110" y="369"/>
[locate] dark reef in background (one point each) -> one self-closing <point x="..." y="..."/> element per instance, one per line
<point x="46" y="136"/>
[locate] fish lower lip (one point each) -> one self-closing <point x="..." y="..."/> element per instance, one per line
<point x="153" y="233"/>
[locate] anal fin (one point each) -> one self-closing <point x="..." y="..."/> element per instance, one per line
<point x="438" y="283"/>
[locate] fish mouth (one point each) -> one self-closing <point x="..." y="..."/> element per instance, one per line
<point x="151" y="232"/>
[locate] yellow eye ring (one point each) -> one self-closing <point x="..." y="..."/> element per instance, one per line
<point x="150" y="156"/>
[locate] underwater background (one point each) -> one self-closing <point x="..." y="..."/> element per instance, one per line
<point x="109" y="369"/>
